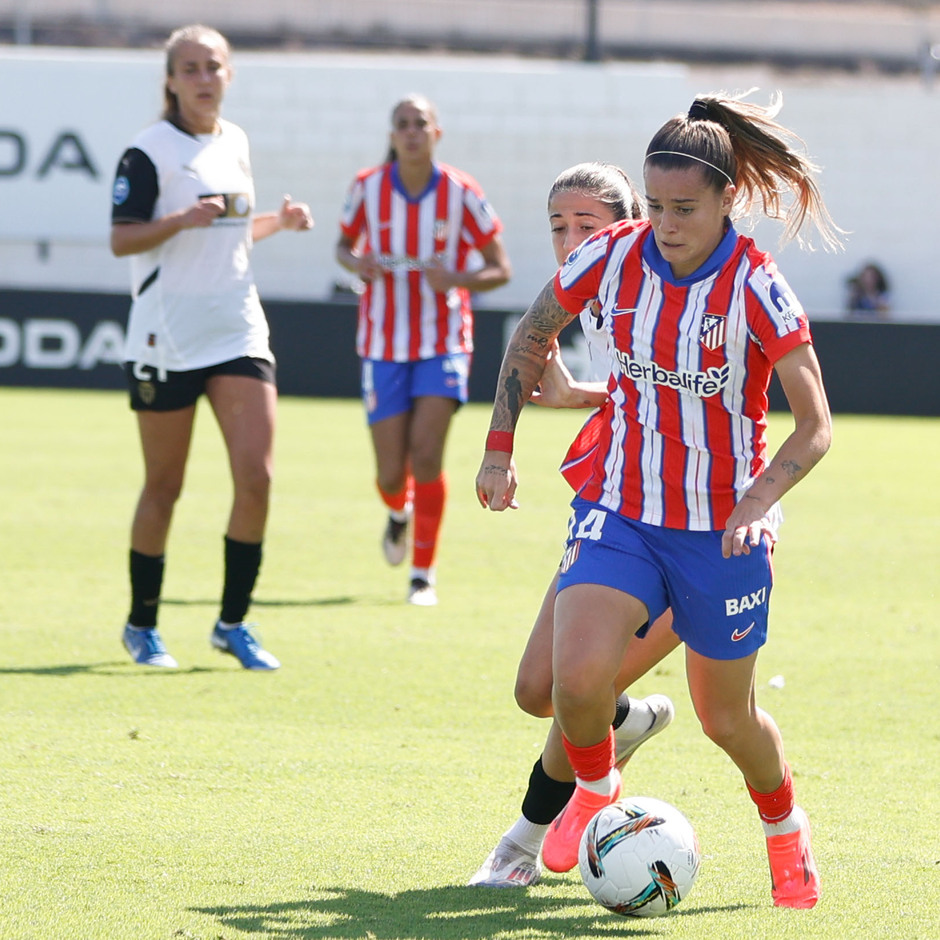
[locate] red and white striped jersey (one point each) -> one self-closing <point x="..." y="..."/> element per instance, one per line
<point x="400" y="318"/>
<point x="684" y="432"/>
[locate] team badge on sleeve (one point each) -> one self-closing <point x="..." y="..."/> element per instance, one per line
<point x="121" y="191"/>
<point x="714" y="331"/>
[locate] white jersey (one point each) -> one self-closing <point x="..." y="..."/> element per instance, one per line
<point x="195" y="303"/>
<point x="598" y="346"/>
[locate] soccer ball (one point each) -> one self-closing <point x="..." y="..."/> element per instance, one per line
<point x="639" y="856"/>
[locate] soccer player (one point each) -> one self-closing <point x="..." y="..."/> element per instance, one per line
<point x="673" y="512"/>
<point x="583" y="199"/>
<point x="183" y="210"/>
<point x="410" y="229"/>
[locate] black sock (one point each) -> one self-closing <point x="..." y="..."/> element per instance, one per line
<point x="623" y="709"/>
<point x="546" y="797"/>
<point x="242" y="563"/>
<point x="146" y="581"/>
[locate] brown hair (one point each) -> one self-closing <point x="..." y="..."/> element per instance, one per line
<point x="193" y="33"/>
<point x="419" y="101"/>
<point x="602" y="181"/>
<point x="731" y="139"/>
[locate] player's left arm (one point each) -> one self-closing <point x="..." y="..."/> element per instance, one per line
<point x="801" y="379"/>
<point x="495" y="272"/>
<point x="291" y="217"/>
<point x="521" y="370"/>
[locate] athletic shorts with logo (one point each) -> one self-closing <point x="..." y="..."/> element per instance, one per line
<point x="719" y="605"/>
<point x="390" y="388"/>
<point x="153" y="389"/>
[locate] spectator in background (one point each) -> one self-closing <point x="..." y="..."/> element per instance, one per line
<point x="868" y="294"/>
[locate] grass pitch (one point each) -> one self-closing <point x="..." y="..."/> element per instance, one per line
<point x="352" y="794"/>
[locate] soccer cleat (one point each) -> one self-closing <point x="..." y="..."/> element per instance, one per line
<point x="241" y="643"/>
<point x="793" y="873"/>
<point x="395" y="541"/>
<point x="146" y="647"/>
<point x="507" y="866"/>
<point x="626" y="744"/>
<point x="421" y="593"/>
<point x="560" y="848"/>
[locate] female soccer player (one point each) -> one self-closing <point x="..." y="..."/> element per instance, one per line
<point x="673" y="510"/>
<point x="408" y="230"/>
<point x="183" y="206"/>
<point x="583" y="199"/>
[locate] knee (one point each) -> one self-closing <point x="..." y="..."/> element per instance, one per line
<point x="254" y="483"/>
<point x="162" y="493"/>
<point x="576" y="692"/>
<point x="533" y="697"/>
<point x="723" y="727"/>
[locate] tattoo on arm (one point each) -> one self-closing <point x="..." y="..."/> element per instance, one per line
<point x="792" y="469"/>
<point x="525" y="356"/>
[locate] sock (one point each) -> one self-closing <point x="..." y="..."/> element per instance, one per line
<point x="146" y="582"/>
<point x="545" y="798"/>
<point x="399" y="504"/>
<point x="527" y="835"/>
<point x="428" y="513"/>
<point x="776" y="807"/>
<point x="638" y="718"/>
<point x="423" y="574"/>
<point x="594" y="765"/>
<point x="622" y="710"/>
<point x="242" y="563"/>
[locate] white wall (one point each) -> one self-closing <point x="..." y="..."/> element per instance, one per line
<point x="314" y="119"/>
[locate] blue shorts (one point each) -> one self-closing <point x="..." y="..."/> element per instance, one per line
<point x="719" y="605"/>
<point x="390" y="388"/>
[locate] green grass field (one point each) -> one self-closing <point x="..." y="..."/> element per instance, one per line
<point x="352" y="794"/>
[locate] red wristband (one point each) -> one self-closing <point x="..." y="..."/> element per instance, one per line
<point x="499" y="440"/>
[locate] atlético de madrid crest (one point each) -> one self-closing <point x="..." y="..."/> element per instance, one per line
<point x="714" y="330"/>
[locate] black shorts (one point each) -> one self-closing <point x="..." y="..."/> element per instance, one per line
<point x="182" y="389"/>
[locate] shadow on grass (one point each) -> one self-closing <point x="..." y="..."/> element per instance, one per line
<point x="449" y="913"/>
<point x="365" y="600"/>
<point x="115" y="668"/>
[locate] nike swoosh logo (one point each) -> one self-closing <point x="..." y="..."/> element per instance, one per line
<point x="620" y="311"/>
<point x="741" y="634"/>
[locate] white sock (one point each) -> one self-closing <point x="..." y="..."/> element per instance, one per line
<point x="425" y="574"/>
<point x="606" y="786"/>
<point x="790" y="823"/>
<point x="639" y="718"/>
<point x="399" y="515"/>
<point x="228" y="626"/>
<point x="527" y="835"/>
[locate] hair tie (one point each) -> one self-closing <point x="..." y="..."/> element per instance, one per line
<point x="699" y="111"/>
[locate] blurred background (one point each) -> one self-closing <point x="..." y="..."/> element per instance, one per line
<point x="524" y="88"/>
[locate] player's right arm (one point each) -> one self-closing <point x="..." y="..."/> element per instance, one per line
<point x="133" y="228"/>
<point x="522" y="368"/>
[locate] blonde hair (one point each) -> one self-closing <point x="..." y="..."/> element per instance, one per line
<point x="195" y="32"/>
<point x="732" y="139"/>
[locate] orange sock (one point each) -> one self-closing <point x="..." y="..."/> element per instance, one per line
<point x="775" y="806"/>
<point x="398" y="502"/>
<point x="429" y="511"/>
<point x="593" y="762"/>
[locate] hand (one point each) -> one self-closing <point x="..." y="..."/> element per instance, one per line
<point x="203" y="213"/>
<point x="745" y="529"/>
<point x="368" y="268"/>
<point x="439" y="279"/>
<point x="556" y="384"/>
<point x="294" y="216"/>
<point x="496" y="482"/>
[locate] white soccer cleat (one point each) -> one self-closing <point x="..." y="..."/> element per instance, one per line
<point x="421" y="593"/>
<point x="625" y="744"/>
<point x="395" y="541"/>
<point x="507" y="866"/>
